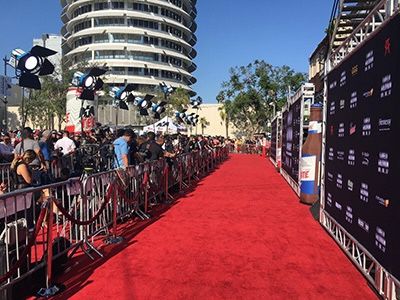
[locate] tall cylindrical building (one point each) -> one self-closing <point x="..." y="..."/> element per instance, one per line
<point x="141" y="42"/>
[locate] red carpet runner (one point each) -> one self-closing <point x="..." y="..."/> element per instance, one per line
<point x="241" y="234"/>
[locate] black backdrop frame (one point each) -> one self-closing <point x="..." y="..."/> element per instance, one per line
<point x="380" y="270"/>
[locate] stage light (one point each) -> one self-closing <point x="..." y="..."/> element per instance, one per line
<point x="158" y="109"/>
<point x="124" y="93"/>
<point x="89" y="82"/>
<point x="144" y="104"/>
<point x="122" y="96"/>
<point x="31" y="65"/>
<point x="196" y="102"/>
<point x="191" y="119"/>
<point x="181" y="116"/>
<point x="166" y="89"/>
<point x="121" y="104"/>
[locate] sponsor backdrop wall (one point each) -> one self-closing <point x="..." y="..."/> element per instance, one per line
<point x="363" y="146"/>
<point x="291" y="126"/>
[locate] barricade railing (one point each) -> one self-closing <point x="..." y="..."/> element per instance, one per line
<point x="73" y="164"/>
<point x="41" y="227"/>
<point x="5" y="175"/>
<point x="249" y="149"/>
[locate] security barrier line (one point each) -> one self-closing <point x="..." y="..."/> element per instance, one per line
<point x="74" y="212"/>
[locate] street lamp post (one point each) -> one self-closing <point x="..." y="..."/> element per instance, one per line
<point x="5" y="59"/>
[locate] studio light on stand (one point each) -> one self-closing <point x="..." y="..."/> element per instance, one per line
<point x="196" y="102"/>
<point x="30" y="65"/>
<point x="158" y="109"/>
<point x="181" y="116"/>
<point x="144" y="104"/>
<point x="122" y="96"/>
<point x="166" y="89"/>
<point x="192" y="119"/>
<point x="89" y="83"/>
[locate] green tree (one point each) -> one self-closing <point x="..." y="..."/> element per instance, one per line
<point x="179" y="100"/>
<point x="250" y="89"/>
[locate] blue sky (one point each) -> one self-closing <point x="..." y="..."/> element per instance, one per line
<point x="230" y="33"/>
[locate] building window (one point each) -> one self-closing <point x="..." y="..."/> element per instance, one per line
<point x="82" y="10"/>
<point x="143" y="56"/>
<point x="109" y="22"/>
<point x="82" y="26"/>
<point x="83" y="41"/>
<point x="143" y="23"/>
<point x="109" y="5"/>
<point x="143" y="7"/>
<point x="109" y="54"/>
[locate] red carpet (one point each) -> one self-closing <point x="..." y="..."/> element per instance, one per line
<point x="241" y="234"/>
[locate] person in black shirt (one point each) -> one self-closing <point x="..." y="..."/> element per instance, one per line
<point x="155" y="149"/>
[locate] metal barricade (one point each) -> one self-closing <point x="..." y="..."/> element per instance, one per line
<point x="6" y="176"/>
<point x="41" y="224"/>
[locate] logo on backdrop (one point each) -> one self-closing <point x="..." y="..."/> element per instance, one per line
<point x="354" y="70"/>
<point x="382" y="200"/>
<point x="332" y="109"/>
<point x="366" y="130"/>
<point x="388" y="47"/>
<point x="365" y="159"/>
<point x="339" y="181"/>
<point x="380" y="239"/>
<point x="333" y="85"/>
<point x="369" y="93"/>
<point x="383" y="163"/>
<point x="364" y="193"/>
<point x="386" y="87"/>
<point x="351" y="158"/>
<point x="363" y="224"/>
<point x="349" y="214"/>
<point x="330" y="176"/>
<point x="384" y="124"/>
<point x="369" y="61"/>
<point x="329" y="199"/>
<point x="340" y="155"/>
<point x="353" y="100"/>
<point x="338" y="205"/>
<point x="350" y="185"/>
<point x="343" y="78"/>
<point x="353" y="128"/>
<point x="341" y="130"/>
<point x="342" y="103"/>
<point x="331" y="155"/>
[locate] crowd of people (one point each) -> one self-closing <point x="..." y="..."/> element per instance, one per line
<point x="31" y="153"/>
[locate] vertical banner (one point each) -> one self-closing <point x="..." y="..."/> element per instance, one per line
<point x="363" y="147"/>
<point x="291" y="122"/>
<point x="79" y="112"/>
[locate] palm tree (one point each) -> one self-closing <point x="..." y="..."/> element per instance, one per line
<point x="203" y="123"/>
<point x="225" y="118"/>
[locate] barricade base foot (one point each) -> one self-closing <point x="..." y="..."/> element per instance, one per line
<point x="114" y="240"/>
<point x="142" y="215"/>
<point x="50" y="291"/>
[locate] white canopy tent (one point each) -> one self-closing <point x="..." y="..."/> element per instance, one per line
<point x="165" y="126"/>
